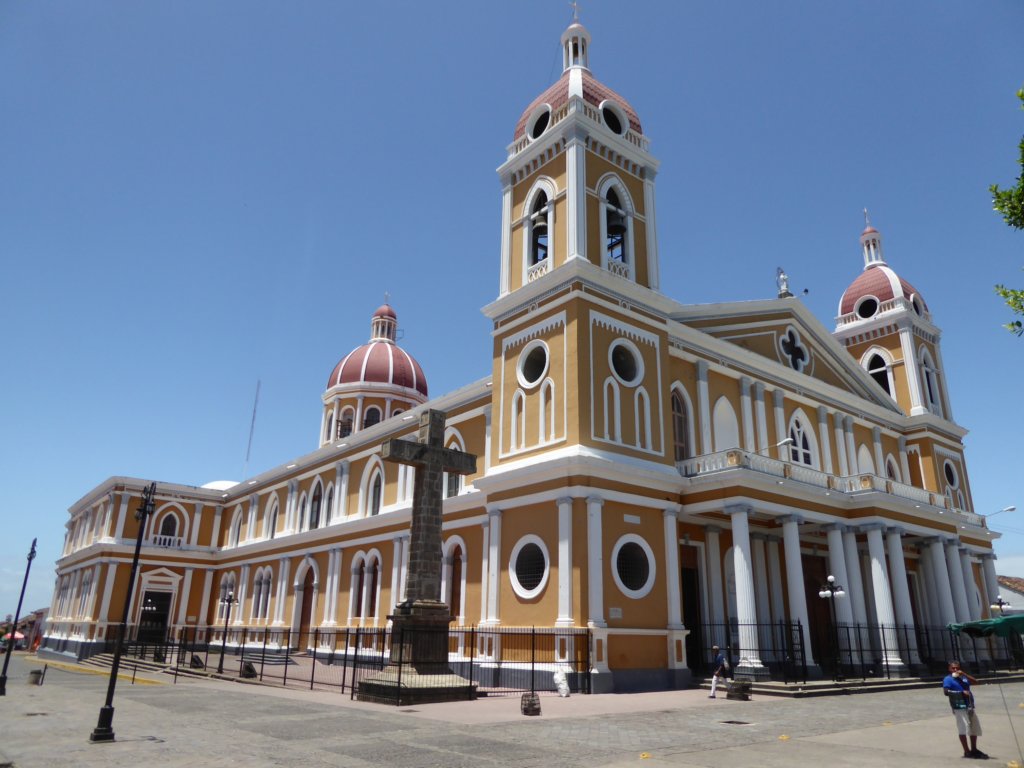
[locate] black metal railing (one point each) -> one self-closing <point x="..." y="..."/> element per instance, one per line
<point x="780" y="648"/>
<point x="493" y="662"/>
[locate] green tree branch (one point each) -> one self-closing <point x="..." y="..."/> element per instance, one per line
<point x="1009" y="203"/>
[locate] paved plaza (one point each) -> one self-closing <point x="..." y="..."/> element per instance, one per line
<point x="200" y="723"/>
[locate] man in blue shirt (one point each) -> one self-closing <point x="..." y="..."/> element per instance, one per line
<point x="719" y="667"/>
<point x="957" y="687"/>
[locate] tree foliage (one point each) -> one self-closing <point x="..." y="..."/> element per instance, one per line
<point x="1009" y="203"/>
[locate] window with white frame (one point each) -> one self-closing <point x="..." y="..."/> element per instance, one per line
<point x="227" y="587"/>
<point x="616" y="227"/>
<point x="537" y="224"/>
<point x="800" y="449"/>
<point x="878" y="369"/>
<point x="344" y="426"/>
<point x="371" y="416"/>
<point x="330" y="504"/>
<point x="930" y="383"/>
<point x="953" y="491"/>
<point x="528" y="567"/>
<point x="680" y="428"/>
<point x="314" y="506"/>
<point x="633" y="566"/>
<point x="84" y="591"/>
<point x="376" y="493"/>
<point x="235" y="533"/>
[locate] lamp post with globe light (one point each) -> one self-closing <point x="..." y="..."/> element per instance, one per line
<point x="830" y="591"/>
<point x="228" y="600"/>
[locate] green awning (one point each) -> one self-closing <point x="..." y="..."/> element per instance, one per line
<point x="1003" y="626"/>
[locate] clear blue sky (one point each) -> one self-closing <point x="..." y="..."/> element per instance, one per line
<point x="195" y="195"/>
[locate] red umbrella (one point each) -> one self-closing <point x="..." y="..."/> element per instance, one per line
<point x="17" y="636"/>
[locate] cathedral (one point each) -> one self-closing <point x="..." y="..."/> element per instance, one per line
<point x="667" y="476"/>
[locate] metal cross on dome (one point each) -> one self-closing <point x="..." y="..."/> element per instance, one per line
<point x="793" y="350"/>
<point x="575" y="10"/>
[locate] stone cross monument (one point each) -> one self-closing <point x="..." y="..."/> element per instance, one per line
<point x="418" y="671"/>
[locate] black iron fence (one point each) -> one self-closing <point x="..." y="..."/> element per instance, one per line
<point x="487" y="662"/>
<point x="779" y="647"/>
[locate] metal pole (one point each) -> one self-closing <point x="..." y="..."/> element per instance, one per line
<point x="14" y="627"/>
<point x="228" y="601"/>
<point x="104" y="726"/>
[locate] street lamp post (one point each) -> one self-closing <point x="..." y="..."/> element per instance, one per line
<point x="228" y="601"/>
<point x="14" y="625"/>
<point x="104" y="726"/>
<point x="830" y="591"/>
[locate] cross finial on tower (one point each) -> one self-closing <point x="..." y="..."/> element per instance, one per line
<point x="575" y="10"/>
<point x="387" y="298"/>
<point x="867" y="221"/>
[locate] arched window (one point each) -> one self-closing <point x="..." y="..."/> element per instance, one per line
<point x="371" y="416"/>
<point x="330" y="504"/>
<point x="642" y="416"/>
<point x="371" y="597"/>
<point x="879" y="371"/>
<point x="227" y="587"/>
<point x="376" y="491"/>
<point x="930" y="383"/>
<point x="272" y="520"/>
<point x="538" y="224"/>
<point x="680" y="428"/>
<point x="358" y="575"/>
<point x="302" y="511"/>
<point x="169" y="526"/>
<point x="518" y="436"/>
<point x="547" y="411"/>
<point x="891" y="470"/>
<point x="615" y="228"/>
<point x="455" y="580"/>
<point x="236" y="528"/>
<point x="953" y="492"/>
<point x="452" y="479"/>
<point x="800" y="448"/>
<point x="865" y="464"/>
<point x="612" y="414"/>
<point x="314" y="507"/>
<point x="345" y="423"/>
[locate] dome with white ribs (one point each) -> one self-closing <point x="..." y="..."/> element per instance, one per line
<point x="380" y="361"/>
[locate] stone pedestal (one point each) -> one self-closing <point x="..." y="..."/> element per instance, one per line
<point x="418" y="672"/>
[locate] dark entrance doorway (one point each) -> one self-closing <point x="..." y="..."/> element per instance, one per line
<point x="819" y="614"/>
<point x="153" y="618"/>
<point x="306" y="612"/>
<point x="689" y="573"/>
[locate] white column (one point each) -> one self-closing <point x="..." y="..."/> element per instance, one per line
<point x="941" y="576"/>
<point x="746" y="606"/>
<point x="504" y="285"/>
<point x="837" y="428"/>
<point x="747" y="414"/>
<point x="778" y="410"/>
<point x="910" y="367"/>
<point x="932" y="610"/>
<point x="565" y="612"/>
<point x="218" y="513"/>
<point x="675" y="613"/>
<point x="108" y="591"/>
<point x="704" y="407"/>
<point x="651" y="229"/>
<point x="494" y="565"/>
<point x="485" y="569"/>
<point x="876" y="442"/>
<point x="837" y="568"/>
<point x="988" y="562"/>
<point x="403" y="577"/>
<point x="186" y="589"/>
<point x="851" y="446"/>
<point x="973" y="609"/>
<point x="855" y="587"/>
<point x="778" y="611"/>
<point x="487" y="439"/>
<point x="903" y="608"/>
<point x="826" y="443"/>
<point x="904" y="464"/>
<point x="204" y="605"/>
<point x="795" y="580"/>
<point x="396" y="570"/>
<point x="956" y="581"/>
<point x="289" y="513"/>
<point x="282" y="590"/>
<point x="760" y="565"/>
<point x="595" y="563"/>
<point x="888" y="639"/>
<point x="714" y="566"/>
<point x="243" y="590"/>
<point x="576" y="198"/>
<point x="342" y="494"/>
<point x="197" y="522"/>
<point x="122" y="513"/>
<point x="761" y="420"/>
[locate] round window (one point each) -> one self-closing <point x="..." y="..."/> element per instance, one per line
<point x="626" y="363"/>
<point x="633" y="566"/>
<point x="533" y="364"/>
<point x="613" y="117"/>
<point x="528" y="567"/>
<point x="916" y="305"/>
<point x="950" y="472"/>
<point x="868" y="307"/>
<point x="540" y="120"/>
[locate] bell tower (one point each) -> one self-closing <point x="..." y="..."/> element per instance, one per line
<point x="578" y="182"/>
<point x="885" y="324"/>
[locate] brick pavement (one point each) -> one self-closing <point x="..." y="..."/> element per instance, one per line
<point x="200" y="723"/>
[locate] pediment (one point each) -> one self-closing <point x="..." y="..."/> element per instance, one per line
<point x="785" y="332"/>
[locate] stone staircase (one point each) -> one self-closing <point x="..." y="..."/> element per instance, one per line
<point x="859" y="685"/>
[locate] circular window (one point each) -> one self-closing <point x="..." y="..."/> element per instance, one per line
<point x="539" y="121"/>
<point x="533" y="364"/>
<point x="528" y="567"/>
<point x="867" y="307"/>
<point x="626" y="362"/>
<point x="633" y="567"/>
<point x="950" y="472"/>
<point x="613" y="117"/>
<point x="915" y="304"/>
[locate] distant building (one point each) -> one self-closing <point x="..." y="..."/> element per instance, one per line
<point x="667" y="475"/>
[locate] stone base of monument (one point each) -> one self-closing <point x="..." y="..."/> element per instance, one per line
<point x="418" y="672"/>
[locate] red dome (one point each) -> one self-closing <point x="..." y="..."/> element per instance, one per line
<point x="879" y="281"/>
<point x="385" y="310"/>
<point x="380" y="362"/>
<point x="594" y="93"/>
